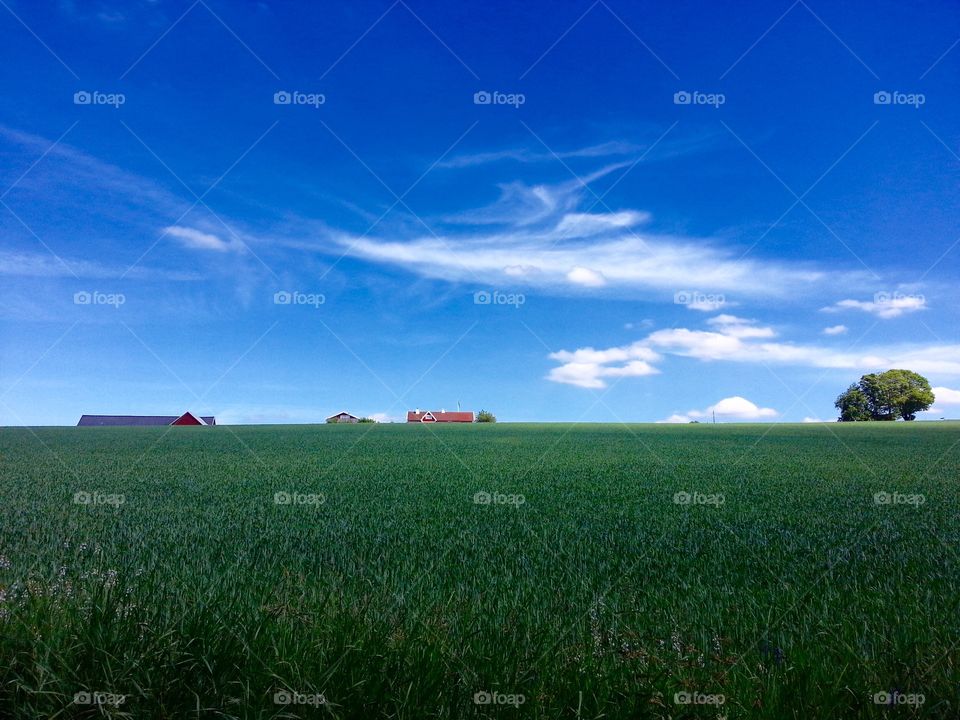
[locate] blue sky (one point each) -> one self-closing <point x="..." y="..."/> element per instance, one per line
<point x="671" y="208"/>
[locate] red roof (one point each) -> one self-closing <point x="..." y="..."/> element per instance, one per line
<point x="439" y="416"/>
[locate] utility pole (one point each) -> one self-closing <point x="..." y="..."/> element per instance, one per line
<point x="714" y="417"/>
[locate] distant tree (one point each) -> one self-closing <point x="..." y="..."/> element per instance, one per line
<point x="366" y="420"/>
<point x="853" y="405"/>
<point x="486" y="417"/>
<point x="885" y="396"/>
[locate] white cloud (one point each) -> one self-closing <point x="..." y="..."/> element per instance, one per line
<point x="197" y="240"/>
<point x="946" y="396"/>
<point x="731" y="408"/>
<point x="813" y="420"/>
<point x="734" y="339"/>
<point x="528" y="156"/>
<point x="587" y="367"/>
<point x="739" y="327"/>
<point x="539" y="235"/>
<point x="586" y="277"/>
<point x="835" y="330"/>
<point x="883" y="305"/>
<point x="736" y="408"/>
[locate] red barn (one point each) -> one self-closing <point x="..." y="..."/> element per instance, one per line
<point x="440" y="416"/>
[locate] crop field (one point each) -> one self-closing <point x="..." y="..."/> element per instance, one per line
<point x="515" y="571"/>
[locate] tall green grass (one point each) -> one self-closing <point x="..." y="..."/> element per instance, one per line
<point x="392" y="593"/>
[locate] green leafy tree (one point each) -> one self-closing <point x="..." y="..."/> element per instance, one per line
<point x="853" y="405"/>
<point x="366" y="420"/>
<point x="885" y="396"/>
<point x="486" y="417"/>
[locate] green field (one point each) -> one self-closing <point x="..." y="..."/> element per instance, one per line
<point x="383" y="589"/>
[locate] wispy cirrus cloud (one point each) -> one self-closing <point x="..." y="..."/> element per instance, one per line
<point x="197" y="240"/>
<point x="884" y="305"/>
<point x="525" y="155"/>
<point x="552" y="237"/>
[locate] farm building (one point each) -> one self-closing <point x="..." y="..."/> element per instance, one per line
<point x="144" y="420"/>
<point x="440" y="416"/>
<point x="343" y="417"/>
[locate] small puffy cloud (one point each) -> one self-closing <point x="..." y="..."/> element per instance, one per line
<point x="736" y="408"/>
<point x="883" y="305"/>
<point x="739" y="327"/>
<point x="731" y="408"/>
<point x="197" y="240"/>
<point x="813" y="420"/>
<point x="587" y="367"/>
<point x="586" y="277"/>
<point x="946" y="396"/>
<point x="835" y="330"/>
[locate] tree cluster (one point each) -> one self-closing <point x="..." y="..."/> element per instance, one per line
<point x="888" y="395"/>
